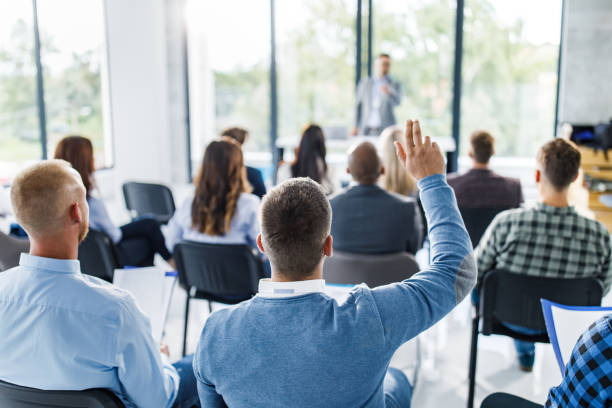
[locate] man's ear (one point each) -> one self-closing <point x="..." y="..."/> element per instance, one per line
<point x="471" y="155"/>
<point x="76" y="216"/>
<point x="328" y="246"/>
<point x="382" y="170"/>
<point x="260" y="245"/>
<point x="576" y="177"/>
<point x="538" y="176"/>
<point x="348" y="171"/>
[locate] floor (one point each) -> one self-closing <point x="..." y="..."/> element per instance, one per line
<point x="444" y="351"/>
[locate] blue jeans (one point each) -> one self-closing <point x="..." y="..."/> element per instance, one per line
<point x="187" y="396"/>
<point x="397" y="388"/>
<point x="523" y="348"/>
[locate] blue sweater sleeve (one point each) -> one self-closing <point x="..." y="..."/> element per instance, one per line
<point x="407" y="308"/>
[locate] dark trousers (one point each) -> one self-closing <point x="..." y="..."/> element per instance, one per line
<point x="187" y="396"/>
<point x="503" y="400"/>
<point x="140" y="241"/>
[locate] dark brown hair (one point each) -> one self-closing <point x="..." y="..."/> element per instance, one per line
<point x="237" y="133"/>
<point x="219" y="183"/>
<point x="310" y="155"/>
<point x="78" y="151"/>
<point x="483" y="146"/>
<point x="560" y="161"/>
<point x="295" y="222"/>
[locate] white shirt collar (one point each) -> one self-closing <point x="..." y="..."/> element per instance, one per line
<point x="270" y="289"/>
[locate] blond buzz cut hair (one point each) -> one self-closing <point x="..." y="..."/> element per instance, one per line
<point x="42" y="194"/>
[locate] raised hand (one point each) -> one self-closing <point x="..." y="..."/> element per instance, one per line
<point x="420" y="158"/>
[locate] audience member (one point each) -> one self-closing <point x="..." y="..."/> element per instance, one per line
<point x="294" y="346"/>
<point x="220" y="211"/>
<point x="310" y="160"/>
<point x="550" y="240"/>
<point x="62" y="330"/>
<point x="253" y="175"/>
<point x="394" y="179"/>
<point x="138" y="241"/>
<point x="480" y="187"/>
<point x="365" y="217"/>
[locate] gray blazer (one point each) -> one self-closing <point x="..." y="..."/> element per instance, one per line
<point x="369" y="220"/>
<point x="388" y="103"/>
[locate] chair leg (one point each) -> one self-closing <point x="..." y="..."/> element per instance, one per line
<point x="473" y="354"/>
<point x="209" y="307"/>
<point x="186" y="324"/>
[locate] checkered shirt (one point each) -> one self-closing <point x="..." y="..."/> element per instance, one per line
<point x="588" y="375"/>
<point x="546" y="241"/>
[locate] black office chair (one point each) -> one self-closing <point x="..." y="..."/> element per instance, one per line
<point x="11" y="249"/>
<point x="503" y="400"/>
<point x="477" y="220"/>
<point x="148" y="199"/>
<point x="515" y="299"/>
<point x="217" y="273"/>
<point x="16" y="396"/>
<point x="98" y="255"/>
<point x="374" y="270"/>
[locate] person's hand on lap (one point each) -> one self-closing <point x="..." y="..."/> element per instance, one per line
<point x="420" y="158"/>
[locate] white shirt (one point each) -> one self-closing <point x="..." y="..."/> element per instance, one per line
<point x="374" y="120"/>
<point x="271" y="289"/>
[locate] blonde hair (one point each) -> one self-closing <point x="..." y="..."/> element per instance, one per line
<point x="395" y="178"/>
<point x="41" y="196"/>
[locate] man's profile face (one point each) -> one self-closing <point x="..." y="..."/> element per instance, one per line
<point x="383" y="66"/>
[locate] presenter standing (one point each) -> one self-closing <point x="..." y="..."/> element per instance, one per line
<point x="376" y="98"/>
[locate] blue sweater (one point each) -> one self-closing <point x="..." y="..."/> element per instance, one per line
<point x="311" y="351"/>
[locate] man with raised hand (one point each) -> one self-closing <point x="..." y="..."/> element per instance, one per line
<point x="294" y="346"/>
<point x="62" y="330"/>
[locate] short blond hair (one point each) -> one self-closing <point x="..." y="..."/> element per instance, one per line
<point x="41" y="196"/>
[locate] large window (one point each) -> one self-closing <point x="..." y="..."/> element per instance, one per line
<point x="510" y="57"/>
<point x="315" y="42"/>
<point x="19" y="130"/>
<point x="420" y="37"/>
<point x="72" y="57"/>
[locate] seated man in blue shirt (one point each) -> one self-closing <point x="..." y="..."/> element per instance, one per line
<point x="294" y="346"/>
<point x="62" y="330"/>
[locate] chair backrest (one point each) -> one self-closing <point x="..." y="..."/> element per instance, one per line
<point x="374" y="270"/>
<point x="10" y="250"/>
<point x="15" y="396"/>
<point x="515" y="298"/>
<point x="477" y="220"/>
<point x="218" y="269"/>
<point x="98" y="255"/>
<point x="155" y="200"/>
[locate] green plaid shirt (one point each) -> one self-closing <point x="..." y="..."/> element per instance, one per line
<point x="546" y="241"/>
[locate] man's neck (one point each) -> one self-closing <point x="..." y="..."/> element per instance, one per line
<point x="53" y="248"/>
<point x="279" y="277"/>
<point x="480" y="166"/>
<point x="556" y="200"/>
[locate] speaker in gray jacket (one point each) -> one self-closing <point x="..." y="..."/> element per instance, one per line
<point x="365" y="217"/>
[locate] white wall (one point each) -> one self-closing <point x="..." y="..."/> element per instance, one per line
<point x="136" y="41"/>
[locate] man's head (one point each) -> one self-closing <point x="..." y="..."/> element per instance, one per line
<point x="236" y="133"/>
<point x="558" y="163"/>
<point x="295" y="226"/>
<point x="364" y="164"/>
<point x="49" y="201"/>
<point x="382" y="65"/>
<point x="482" y="147"/>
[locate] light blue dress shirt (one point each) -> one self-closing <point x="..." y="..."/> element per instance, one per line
<point x="101" y="221"/>
<point x="244" y="226"/>
<point x="62" y="330"/>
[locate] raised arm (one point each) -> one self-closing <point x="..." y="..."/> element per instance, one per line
<point x="409" y="307"/>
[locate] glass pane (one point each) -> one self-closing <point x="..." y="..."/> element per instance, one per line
<point x="229" y="58"/>
<point x="74" y="59"/>
<point x="316" y="64"/>
<point x="19" y="129"/>
<point x="419" y="36"/>
<point x="511" y="50"/>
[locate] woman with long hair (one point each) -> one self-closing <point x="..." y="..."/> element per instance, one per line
<point x="136" y="242"/>
<point x="309" y="160"/>
<point x="395" y="179"/>
<point x="221" y="210"/>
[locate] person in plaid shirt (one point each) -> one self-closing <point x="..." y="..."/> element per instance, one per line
<point x="551" y="239"/>
<point x="588" y="374"/>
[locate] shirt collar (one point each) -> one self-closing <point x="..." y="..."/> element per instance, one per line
<point x="555" y="210"/>
<point x="50" y="264"/>
<point x="270" y="289"/>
